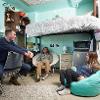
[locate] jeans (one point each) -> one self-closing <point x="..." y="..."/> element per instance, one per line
<point x="1" y="70"/>
<point x="69" y="75"/>
<point x="25" y="68"/>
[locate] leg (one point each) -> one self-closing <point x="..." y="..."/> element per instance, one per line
<point x="71" y="76"/>
<point x="47" y="66"/>
<point x="1" y="74"/>
<point x="38" y="69"/>
<point x="62" y="80"/>
<point x="62" y="77"/>
<point x="25" y="69"/>
<point x="1" y="71"/>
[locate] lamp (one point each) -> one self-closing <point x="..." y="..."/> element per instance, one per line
<point x="75" y="3"/>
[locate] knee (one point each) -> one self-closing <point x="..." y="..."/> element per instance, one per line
<point x="39" y="64"/>
<point x="26" y="67"/>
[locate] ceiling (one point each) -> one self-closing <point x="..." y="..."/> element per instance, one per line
<point x="42" y="5"/>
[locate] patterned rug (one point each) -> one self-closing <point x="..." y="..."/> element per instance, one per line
<point x="32" y="92"/>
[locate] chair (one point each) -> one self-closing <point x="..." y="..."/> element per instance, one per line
<point x="55" y="60"/>
<point x="12" y="65"/>
<point x="87" y="87"/>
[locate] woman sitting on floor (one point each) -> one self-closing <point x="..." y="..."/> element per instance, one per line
<point x="45" y="59"/>
<point x="70" y="75"/>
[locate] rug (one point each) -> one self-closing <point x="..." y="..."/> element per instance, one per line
<point x="32" y="92"/>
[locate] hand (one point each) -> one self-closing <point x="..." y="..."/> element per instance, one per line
<point x="81" y="77"/>
<point x="28" y="54"/>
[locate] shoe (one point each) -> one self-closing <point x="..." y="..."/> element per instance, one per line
<point x="14" y="81"/>
<point x="61" y="88"/>
<point x="64" y="92"/>
<point x="38" y="79"/>
<point x="43" y="78"/>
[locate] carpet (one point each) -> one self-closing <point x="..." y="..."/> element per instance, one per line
<point x="32" y="92"/>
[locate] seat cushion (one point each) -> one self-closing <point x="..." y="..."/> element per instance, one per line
<point x="87" y="87"/>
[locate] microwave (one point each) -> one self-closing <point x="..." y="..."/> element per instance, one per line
<point x="81" y="45"/>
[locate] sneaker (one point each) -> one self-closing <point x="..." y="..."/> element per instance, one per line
<point x="43" y="78"/>
<point x="14" y="81"/>
<point x="61" y="88"/>
<point x="64" y="92"/>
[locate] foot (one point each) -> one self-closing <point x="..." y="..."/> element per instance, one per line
<point x="61" y="88"/>
<point x="38" y="79"/>
<point x="14" y="81"/>
<point x="64" y="92"/>
<point x="43" y="78"/>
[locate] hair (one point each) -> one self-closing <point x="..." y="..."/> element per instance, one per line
<point x="48" y="52"/>
<point x="7" y="31"/>
<point x="93" y="57"/>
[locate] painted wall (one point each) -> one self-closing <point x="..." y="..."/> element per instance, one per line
<point x="85" y="7"/>
<point x="2" y="9"/>
<point x="62" y="40"/>
<point x="49" y="15"/>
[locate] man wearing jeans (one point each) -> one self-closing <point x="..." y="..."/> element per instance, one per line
<point x="6" y="45"/>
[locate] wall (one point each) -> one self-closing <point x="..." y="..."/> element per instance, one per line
<point x="49" y="15"/>
<point x="85" y="7"/>
<point x="2" y="9"/>
<point x="62" y="40"/>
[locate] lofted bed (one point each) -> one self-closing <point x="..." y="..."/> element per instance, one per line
<point x="60" y="25"/>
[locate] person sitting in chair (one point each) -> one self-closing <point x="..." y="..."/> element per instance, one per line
<point x="81" y="72"/>
<point x="45" y="59"/>
<point x="7" y="45"/>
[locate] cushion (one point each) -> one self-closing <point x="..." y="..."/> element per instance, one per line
<point x="87" y="87"/>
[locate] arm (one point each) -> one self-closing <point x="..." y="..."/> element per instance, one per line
<point x="96" y="66"/>
<point x="12" y="47"/>
<point x="51" y="58"/>
<point x="24" y="49"/>
<point x="27" y="53"/>
<point x="17" y="49"/>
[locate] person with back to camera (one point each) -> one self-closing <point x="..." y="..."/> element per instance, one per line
<point x="6" y="45"/>
<point x="44" y="59"/>
<point x="70" y="75"/>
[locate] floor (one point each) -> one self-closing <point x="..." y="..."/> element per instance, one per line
<point x="53" y="79"/>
